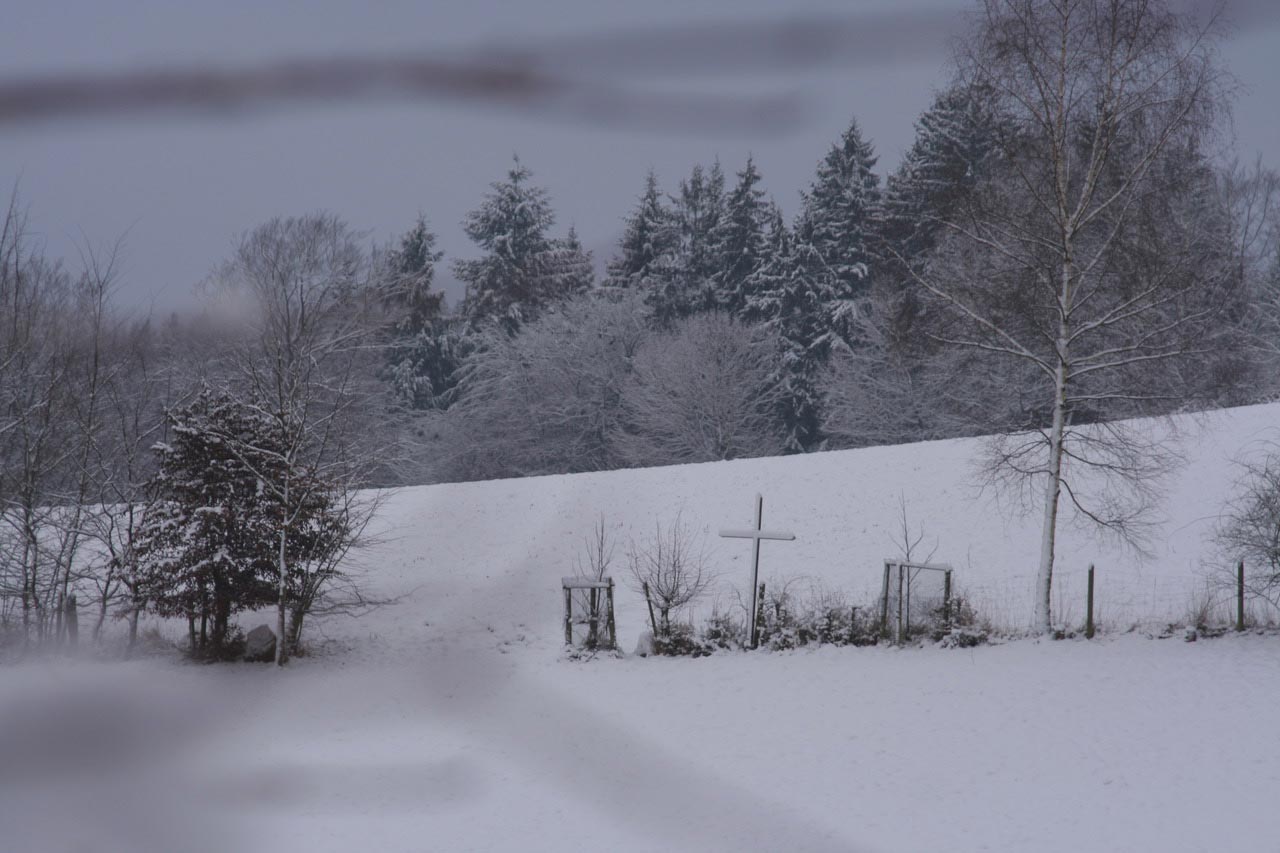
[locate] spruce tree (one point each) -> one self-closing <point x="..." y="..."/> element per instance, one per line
<point x="422" y="356"/>
<point x="842" y="212"/>
<point x="683" y="282"/>
<point x="648" y="240"/>
<point x="211" y="544"/>
<point x="412" y="272"/>
<point x="205" y="543"/>
<point x="699" y="212"/>
<point x="739" y="239"/>
<point x="955" y="138"/>
<point x="571" y="266"/>
<point x="793" y="294"/>
<point x="518" y="274"/>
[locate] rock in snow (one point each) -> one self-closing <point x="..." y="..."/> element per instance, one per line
<point x="260" y="645"/>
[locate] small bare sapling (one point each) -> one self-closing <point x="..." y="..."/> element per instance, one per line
<point x="670" y="569"/>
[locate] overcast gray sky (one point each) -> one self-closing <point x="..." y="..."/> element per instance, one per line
<point x="181" y="187"/>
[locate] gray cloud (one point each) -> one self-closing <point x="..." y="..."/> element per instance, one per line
<point x="556" y="77"/>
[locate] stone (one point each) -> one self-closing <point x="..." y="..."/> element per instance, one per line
<point x="260" y="645"/>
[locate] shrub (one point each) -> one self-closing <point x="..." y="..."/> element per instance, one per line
<point x="818" y="617"/>
<point x="681" y="640"/>
<point x="724" y="631"/>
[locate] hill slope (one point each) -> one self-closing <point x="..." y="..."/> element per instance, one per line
<point x="488" y="556"/>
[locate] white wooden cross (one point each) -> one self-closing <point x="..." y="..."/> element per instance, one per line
<point x="755" y="535"/>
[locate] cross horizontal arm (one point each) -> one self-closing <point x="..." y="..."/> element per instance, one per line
<point x="757" y="534"/>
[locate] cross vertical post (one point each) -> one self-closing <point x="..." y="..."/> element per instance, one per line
<point x="755" y="535"/>
<point x="755" y="572"/>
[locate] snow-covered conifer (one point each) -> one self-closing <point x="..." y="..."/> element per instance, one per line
<point x="740" y="240"/>
<point x="516" y="276"/>
<point x="795" y="294"/>
<point x="955" y="137"/>
<point x="421" y="357"/>
<point x="842" y="212"/>
<point x="571" y="266"/>
<point x="206" y="543"/>
<point x="649" y="239"/>
<point x="684" y="282"/>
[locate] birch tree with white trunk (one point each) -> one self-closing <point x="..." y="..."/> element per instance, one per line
<point x="1082" y="254"/>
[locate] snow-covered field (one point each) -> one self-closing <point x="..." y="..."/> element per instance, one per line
<point x="450" y="720"/>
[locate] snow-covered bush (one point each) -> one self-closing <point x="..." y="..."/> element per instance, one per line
<point x="724" y="630"/>
<point x="682" y="640"/>
<point x="814" y="616"/>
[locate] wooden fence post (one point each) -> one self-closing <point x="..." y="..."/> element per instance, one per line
<point x="613" y="629"/>
<point x="902" y="631"/>
<point x="1240" y="596"/>
<point x="946" y="599"/>
<point x="884" y="604"/>
<point x="568" y="617"/>
<point x="1088" y="617"/>
<point x="653" y="623"/>
<point x="755" y="627"/>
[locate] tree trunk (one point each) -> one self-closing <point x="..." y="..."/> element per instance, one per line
<point x="102" y="614"/>
<point x="282" y="567"/>
<point x="295" y="629"/>
<point x="72" y="620"/>
<point x="1053" y="486"/>
<point x="133" y="631"/>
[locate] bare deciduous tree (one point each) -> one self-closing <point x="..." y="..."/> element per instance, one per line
<point x="701" y="392"/>
<point x="41" y="344"/>
<point x="1086" y="257"/>
<point x="1249" y="528"/>
<point x="671" y="569"/>
<point x="594" y="562"/>
<point x="548" y="400"/>
<point x="309" y="315"/>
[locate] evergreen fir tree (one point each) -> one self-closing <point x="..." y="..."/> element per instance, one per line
<point x="699" y="213"/>
<point x="518" y="273"/>
<point x="571" y="266"/>
<point x="740" y="242"/>
<point x="422" y="356"/>
<point x="792" y="293"/>
<point x="649" y="239"/>
<point x="423" y="369"/>
<point x="205" y="543"/>
<point x="412" y="270"/>
<point x="683" y="282"/>
<point x="955" y="138"/>
<point x="210" y="546"/>
<point x="842" y="212"/>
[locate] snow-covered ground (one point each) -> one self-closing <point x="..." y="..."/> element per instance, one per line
<point x="1125" y="744"/>
<point x="451" y="721"/>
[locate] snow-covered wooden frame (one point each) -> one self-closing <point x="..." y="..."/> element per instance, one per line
<point x="593" y="587"/>
<point x="897" y="625"/>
